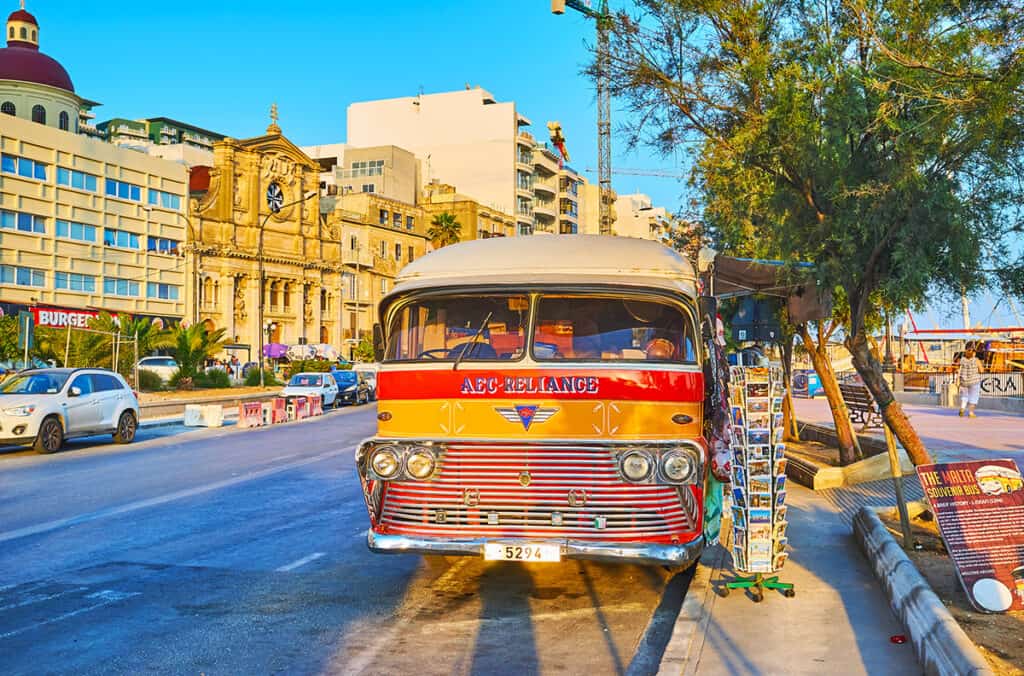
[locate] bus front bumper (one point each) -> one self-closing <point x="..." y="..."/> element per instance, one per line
<point x="680" y="555"/>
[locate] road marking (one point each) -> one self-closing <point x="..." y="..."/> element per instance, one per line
<point x="168" y="497"/>
<point x="108" y="596"/>
<point x="301" y="562"/>
<point x="40" y="598"/>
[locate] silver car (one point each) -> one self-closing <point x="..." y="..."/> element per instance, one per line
<point x="43" y="407"/>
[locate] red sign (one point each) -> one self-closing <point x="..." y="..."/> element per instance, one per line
<point x="62" y="318"/>
<point x="979" y="506"/>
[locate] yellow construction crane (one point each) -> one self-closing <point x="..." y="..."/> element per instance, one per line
<point x="603" y="19"/>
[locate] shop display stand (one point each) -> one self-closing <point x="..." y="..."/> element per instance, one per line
<point x="758" y="480"/>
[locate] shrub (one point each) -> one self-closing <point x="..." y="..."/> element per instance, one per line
<point x="179" y="381"/>
<point x="252" y="378"/>
<point x="149" y="381"/>
<point x="309" y="366"/>
<point x="214" y="379"/>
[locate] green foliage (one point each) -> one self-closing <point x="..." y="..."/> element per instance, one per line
<point x="212" y="379"/>
<point x="150" y="381"/>
<point x="9" y="339"/>
<point x="193" y="345"/>
<point x="252" y="379"/>
<point x="180" y="381"/>
<point x="364" y="351"/>
<point x="309" y="366"/>
<point x="444" y="229"/>
<point x="97" y="349"/>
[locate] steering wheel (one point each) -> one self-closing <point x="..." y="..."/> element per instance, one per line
<point x="436" y="353"/>
<point x="660" y="348"/>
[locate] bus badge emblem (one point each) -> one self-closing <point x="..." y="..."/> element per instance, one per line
<point x="526" y="415"/>
<point x="525" y="478"/>
<point x="471" y="497"/>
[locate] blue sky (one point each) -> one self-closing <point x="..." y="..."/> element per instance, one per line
<point x="221" y="64"/>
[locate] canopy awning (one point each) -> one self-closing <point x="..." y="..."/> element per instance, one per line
<point x="733" y="277"/>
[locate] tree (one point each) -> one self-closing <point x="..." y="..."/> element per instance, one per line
<point x="193" y="345"/>
<point x="444" y="229"/>
<point x="9" y="339"/>
<point x="364" y="351"/>
<point x="887" y="137"/>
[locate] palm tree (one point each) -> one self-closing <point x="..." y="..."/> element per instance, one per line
<point x="97" y="349"/>
<point x="444" y="229"/>
<point x="193" y="345"/>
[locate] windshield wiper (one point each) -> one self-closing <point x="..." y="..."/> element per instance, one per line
<point x="472" y="342"/>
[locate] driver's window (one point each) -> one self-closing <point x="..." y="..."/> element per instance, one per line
<point x="471" y="328"/>
<point x="84" y="383"/>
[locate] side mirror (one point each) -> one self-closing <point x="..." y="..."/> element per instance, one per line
<point x="378" y="343"/>
<point x="75" y="392"/>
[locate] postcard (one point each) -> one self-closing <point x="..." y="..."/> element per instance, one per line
<point x="780" y="530"/>
<point x="738" y="476"/>
<point x="739" y="517"/>
<point x="758" y="453"/>
<point x="777" y="419"/>
<point x="737" y="416"/>
<point x="739" y="537"/>
<point x="737" y="455"/>
<point x="760" y="564"/>
<point x="780" y="514"/>
<point x="758" y="405"/>
<point x="755" y="467"/>
<point x="780" y="451"/>
<point x="759" y="421"/>
<point x="780" y="484"/>
<point x="758" y="437"/>
<point x="760" y="500"/>
<point x="738" y="498"/>
<point x="760" y="516"/>
<point x="760" y="531"/>
<point x="780" y="498"/>
<point x="739" y="558"/>
<point x="759" y="549"/>
<point x="780" y="545"/>
<point x="777" y="436"/>
<point x="779" y="561"/>
<point x="757" y="374"/>
<point x="757" y="390"/>
<point x="777" y="405"/>
<point x="759" y="485"/>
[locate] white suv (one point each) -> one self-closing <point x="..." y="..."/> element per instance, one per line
<point x="43" y="407"/>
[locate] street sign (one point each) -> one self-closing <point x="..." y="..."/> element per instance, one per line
<point x="979" y="506"/>
<point x="26" y="330"/>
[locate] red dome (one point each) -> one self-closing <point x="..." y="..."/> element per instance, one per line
<point x="30" y="65"/>
<point x="22" y="15"/>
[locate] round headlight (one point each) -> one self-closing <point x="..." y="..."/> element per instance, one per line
<point x="676" y="466"/>
<point x="420" y="464"/>
<point x="385" y="463"/>
<point x="636" y="466"/>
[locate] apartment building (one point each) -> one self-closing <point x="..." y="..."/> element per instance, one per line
<point x="637" y="217"/>
<point x="478" y="221"/>
<point x="388" y="170"/>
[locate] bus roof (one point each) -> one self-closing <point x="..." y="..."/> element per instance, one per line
<point x="551" y="259"/>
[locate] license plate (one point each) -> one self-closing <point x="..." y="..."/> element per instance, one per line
<point x="495" y="551"/>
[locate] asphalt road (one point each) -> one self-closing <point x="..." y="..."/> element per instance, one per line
<point x="243" y="552"/>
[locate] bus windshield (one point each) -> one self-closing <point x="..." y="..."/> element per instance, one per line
<point x="465" y="328"/>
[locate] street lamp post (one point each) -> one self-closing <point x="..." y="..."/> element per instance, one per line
<point x="275" y="203"/>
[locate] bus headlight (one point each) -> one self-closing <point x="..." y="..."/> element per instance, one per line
<point x="385" y="462"/>
<point x="636" y="466"/>
<point x="676" y="466"/>
<point x="420" y="464"/>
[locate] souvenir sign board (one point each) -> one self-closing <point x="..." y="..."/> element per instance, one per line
<point x="758" y="469"/>
<point x="979" y="506"/>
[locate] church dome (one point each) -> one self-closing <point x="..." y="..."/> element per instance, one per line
<point x="22" y="61"/>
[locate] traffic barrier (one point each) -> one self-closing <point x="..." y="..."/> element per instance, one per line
<point x="204" y="416"/>
<point x="301" y="408"/>
<point x="316" y="406"/>
<point x="279" y="410"/>
<point x="250" y="414"/>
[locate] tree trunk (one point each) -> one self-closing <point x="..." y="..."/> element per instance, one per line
<point x="849" y="450"/>
<point x="870" y="370"/>
<point x="788" y="412"/>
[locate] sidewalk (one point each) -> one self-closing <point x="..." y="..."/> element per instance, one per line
<point x="838" y="622"/>
<point x="947" y="436"/>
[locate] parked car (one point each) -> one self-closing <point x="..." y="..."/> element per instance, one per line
<point x="165" y="367"/>
<point x="369" y="371"/>
<point x="353" y="387"/>
<point x="313" y="385"/>
<point x="43" y="407"/>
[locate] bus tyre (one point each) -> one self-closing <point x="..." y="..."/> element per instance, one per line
<point x="127" y="426"/>
<point x="50" y="437"/>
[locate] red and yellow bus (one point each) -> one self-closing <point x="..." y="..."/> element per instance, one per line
<point x="540" y="399"/>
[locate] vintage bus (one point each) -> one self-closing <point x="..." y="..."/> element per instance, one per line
<point x="540" y="399"/>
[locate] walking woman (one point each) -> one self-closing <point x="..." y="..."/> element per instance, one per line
<point x="970" y="382"/>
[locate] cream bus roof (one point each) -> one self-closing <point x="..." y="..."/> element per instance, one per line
<point x="551" y="259"/>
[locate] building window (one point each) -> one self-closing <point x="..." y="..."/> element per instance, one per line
<point x="116" y="286"/>
<point x="383" y="286"/>
<point x="567" y="229"/>
<point x="33" y="34"/>
<point x="398" y="252"/>
<point x="163" y="245"/>
<point x="24" y="33"/>
<point x="353" y="242"/>
<point x="38" y="112"/>
<point x="161" y="291"/>
<point x="72" y="281"/>
<point x="412" y="253"/>
<point x="325" y="305"/>
<point x="383" y="249"/>
<point x="76" y="179"/>
<point x="164" y="199"/>
<point x="368" y="168"/>
<point x="286" y="295"/>
<point x="369" y="187"/>
<point x="12" y="274"/>
<point x="396" y="221"/>
<point x="63" y="121"/>
<point x="383" y="216"/>
<point x="7" y="108"/>
<point x="10" y="32"/>
<point x="22" y="166"/>
<point x="122" y="190"/>
<point x="13" y="220"/>
<point x="79" y="231"/>
<point x="120" y="238"/>
<point x="410" y="222"/>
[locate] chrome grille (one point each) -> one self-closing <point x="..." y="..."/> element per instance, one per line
<point x="614" y="510"/>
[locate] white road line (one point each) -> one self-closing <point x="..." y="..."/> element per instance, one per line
<point x="301" y="562"/>
<point x="162" y="499"/>
<point x="108" y="596"/>
<point x="40" y="598"/>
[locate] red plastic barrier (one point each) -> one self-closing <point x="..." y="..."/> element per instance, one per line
<point x="316" y="406"/>
<point x="250" y="414"/>
<point x="279" y="410"/>
<point x="301" y="408"/>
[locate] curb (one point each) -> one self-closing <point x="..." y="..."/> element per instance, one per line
<point x="682" y="653"/>
<point x="940" y="643"/>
